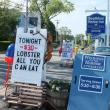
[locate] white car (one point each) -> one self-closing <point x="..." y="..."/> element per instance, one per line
<point x="102" y="51"/>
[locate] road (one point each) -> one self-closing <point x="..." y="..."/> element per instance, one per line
<point x="54" y="71"/>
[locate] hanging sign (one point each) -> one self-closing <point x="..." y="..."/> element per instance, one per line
<point x="96" y="24"/>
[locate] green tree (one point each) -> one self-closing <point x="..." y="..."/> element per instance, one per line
<point x="8" y="20"/>
<point x="79" y="39"/>
<point x="89" y="40"/>
<point x="49" y="9"/>
<point x="65" y="34"/>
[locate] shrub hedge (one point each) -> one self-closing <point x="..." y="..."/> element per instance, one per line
<point x="4" y="45"/>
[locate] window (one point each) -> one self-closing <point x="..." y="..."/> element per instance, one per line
<point x="33" y="21"/>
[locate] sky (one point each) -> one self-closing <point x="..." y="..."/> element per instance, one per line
<point x="76" y="20"/>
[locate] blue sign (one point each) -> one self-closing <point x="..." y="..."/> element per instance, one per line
<point x="90" y="84"/>
<point x="90" y="90"/>
<point x="93" y="62"/>
<point x="96" y="24"/>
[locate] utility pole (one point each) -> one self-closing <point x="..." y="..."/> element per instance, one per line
<point x="26" y="20"/>
<point x="57" y="22"/>
<point x="108" y="40"/>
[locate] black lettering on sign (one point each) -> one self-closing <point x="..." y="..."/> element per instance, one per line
<point x="20" y="60"/>
<point x="28" y="54"/>
<point x="38" y="55"/>
<point x="35" y="61"/>
<point x="16" y="66"/>
<point x="33" y="68"/>
<point x="23" y="67"/>
<point x="29" y="41"/>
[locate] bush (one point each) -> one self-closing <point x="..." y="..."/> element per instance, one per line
<point x="58" y="92"/>
<point x="4" y="45"/>
<point x="58" y="86"/>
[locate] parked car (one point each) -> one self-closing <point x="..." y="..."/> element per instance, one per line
<point x="102" y="51"/>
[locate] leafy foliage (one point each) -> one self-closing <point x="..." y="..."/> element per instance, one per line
<point x="50" y="9"/>
<point x="65" y="33"/>
<point x="58" y="86"/>
<point x="79" y="38"/>
<point x="8" y="20"/>
<point x="80" y="41"/>
<point x="4" y="45"/>
<point x="55" y="7"/>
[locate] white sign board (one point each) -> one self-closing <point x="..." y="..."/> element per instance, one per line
<point x="29" y="58"/>
<point x="67" y="50"/>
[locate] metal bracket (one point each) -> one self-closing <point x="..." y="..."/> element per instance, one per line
<point x="40" y="34"/>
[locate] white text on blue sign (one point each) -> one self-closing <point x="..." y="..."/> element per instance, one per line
<point x="90" y="84"/>
<point x="93" y="62"/>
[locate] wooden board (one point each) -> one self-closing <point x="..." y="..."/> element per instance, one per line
<point x="27" y="94"/>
